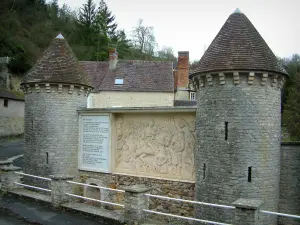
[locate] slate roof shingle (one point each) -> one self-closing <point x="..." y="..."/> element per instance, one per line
<point x="10" y="95"/>
<point x="57" y="65"/>
<point x="138" y="75"/>
<point x="238" y="46"/>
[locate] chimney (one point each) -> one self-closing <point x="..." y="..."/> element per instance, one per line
<point x="183" y="70"/>
<point x="113" y="58"/>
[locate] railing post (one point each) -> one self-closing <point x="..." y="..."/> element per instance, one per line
<point x="135" y="202"/>
<point x="247" y="211"/>
<point x="59" y="188"/>
<point x="8" y="175"/>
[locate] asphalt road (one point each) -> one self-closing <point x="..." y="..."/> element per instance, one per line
<point x="10" y="149"/>
<point x="17" y="211"/>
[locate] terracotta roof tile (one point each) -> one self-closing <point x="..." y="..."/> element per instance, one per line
<point x="137" y="75"/>
<point x="238" y="46"/>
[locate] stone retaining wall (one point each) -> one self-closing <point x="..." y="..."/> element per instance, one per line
<point x="290" y="182"/>
<point x="168" y="188"/>
<point x="11" y="126"/>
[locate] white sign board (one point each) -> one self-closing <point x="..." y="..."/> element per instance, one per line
<point x="94" y="153"/>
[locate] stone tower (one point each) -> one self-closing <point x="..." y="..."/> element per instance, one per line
<point x="238" y="120"/>
<point x="55" y="88"/>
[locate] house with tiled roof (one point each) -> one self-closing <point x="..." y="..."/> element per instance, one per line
<point x="136" y="83"/>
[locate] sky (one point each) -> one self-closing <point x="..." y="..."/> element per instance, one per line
<point x="191" y="25"/>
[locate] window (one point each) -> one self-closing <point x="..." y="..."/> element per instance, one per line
<point x="193" y="96"/>
<point x="5" y="103"/>
<point x="226" y="131"/>
<point x="119" y="81"/>
<point x="249" y="174"/>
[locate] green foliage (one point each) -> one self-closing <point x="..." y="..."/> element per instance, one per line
<point x="291" y="113"/>
<point x="291" y="98"/>
<point x="105" y="21"/>
<point x="292" y="66"/>
<point x="28" y="27"/>
<point x="87" y="14"/>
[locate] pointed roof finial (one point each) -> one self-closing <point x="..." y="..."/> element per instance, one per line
<point x="238" y="11"/>
<point x="60" y="36"/>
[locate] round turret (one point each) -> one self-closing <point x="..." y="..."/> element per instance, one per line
<point x="238" y="120"/>
<point x="55" y="88"/>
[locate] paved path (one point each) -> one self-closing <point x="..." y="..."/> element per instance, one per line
<point x="16" y="211"/>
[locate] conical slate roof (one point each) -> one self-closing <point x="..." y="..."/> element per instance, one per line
<point x="238" y="46"/>
<point x="57" y="65"/>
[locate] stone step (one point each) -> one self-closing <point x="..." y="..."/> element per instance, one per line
<point x="22" y="192"/>
<point x="112" y="215"/>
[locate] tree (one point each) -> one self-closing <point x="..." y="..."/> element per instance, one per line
<point x="167" y="53"/>
<point x="87" y="14"/>
<point x="85" y="23"/>
<point x="292" y="66"/>
<point x="105" y="21"/>
<point x="122" y="43"/>
<point x="143" y="38"/>
<point x="291" y="113"/>
<point x="105" y="29"/>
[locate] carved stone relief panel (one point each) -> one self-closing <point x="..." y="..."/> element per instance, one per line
<point x="156" y="145"/>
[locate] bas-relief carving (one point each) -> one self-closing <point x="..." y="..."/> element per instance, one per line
<point x="156" y="146"/>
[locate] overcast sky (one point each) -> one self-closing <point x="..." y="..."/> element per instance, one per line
<point x="191" y="25"/>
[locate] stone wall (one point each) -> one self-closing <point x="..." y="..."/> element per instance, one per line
<point x="11" y="118"/>
<point x="175" y="189"/>
<point x="11" y="126"/>
<point x="290" y="182"/>
<point x="51" y="128"/>
<point x="107" y="99"/>
<point x="153" y="147"/>
<point x="238" y="141"/>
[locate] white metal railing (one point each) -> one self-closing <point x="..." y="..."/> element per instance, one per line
<point x="29" y="175"/>
<point x="95" y="200"/>
<point x="279" y="214"/>
<point x="190" y="201"/>
<point x="187" y="218"/>
<point x="30" y="186"/>
<point x="26" y="185"/>
<point x="88" y="185"/>
<point x="92" y="199"/>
